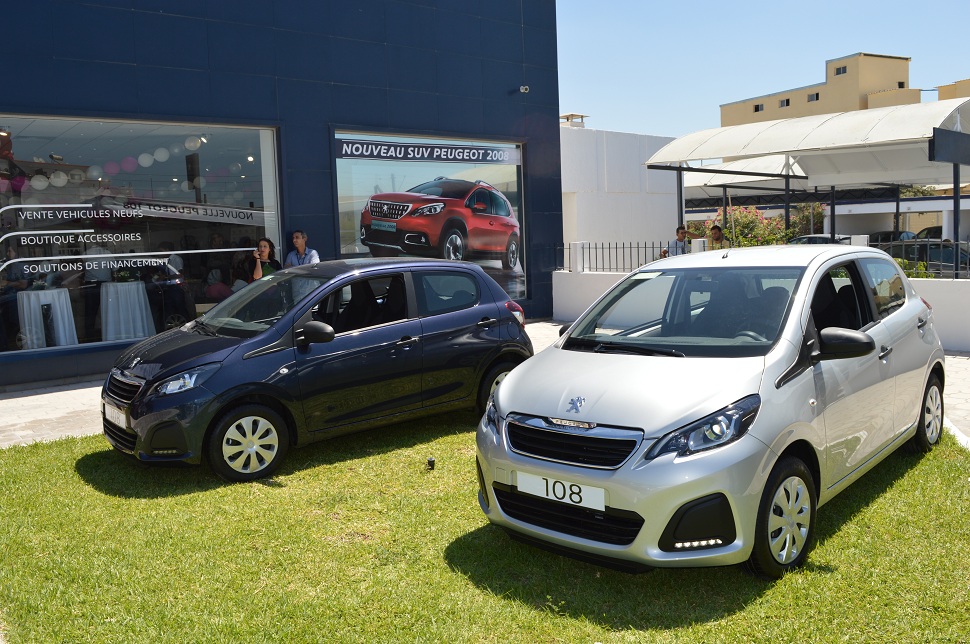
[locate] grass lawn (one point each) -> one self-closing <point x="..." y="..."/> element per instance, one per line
<point x="355" y="540"/>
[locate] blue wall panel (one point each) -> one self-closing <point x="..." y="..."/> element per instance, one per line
<point x="307" y="67"/>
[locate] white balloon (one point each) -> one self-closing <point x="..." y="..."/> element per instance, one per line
<point x="161" y="155"/>
<point x="176" y="149"/>
<point x="199" y="182"/>
<point x="58" y="178"/>
<point x="186" y="186"/>
<point x="193" y="143"/>
<point x="95" y="172"/>
<point x="146" y="160"/>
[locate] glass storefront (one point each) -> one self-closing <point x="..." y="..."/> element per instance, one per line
<point x="116" y="230"/>
<point x="430" y="197"/>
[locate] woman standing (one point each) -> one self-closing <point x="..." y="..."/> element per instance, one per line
<point x="264" y="259"/>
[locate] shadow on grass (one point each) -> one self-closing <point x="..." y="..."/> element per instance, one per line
<point x="116" y="474"/>
<point x="664" y="598"/>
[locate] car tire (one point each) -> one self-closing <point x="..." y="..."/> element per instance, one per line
<point x="453" y="245"/>
<point x="495" y="374"/>
<point x="785" y="526"/>
<point x="247" y="443"/>
<point x="930" y="425"/>
<point x="511" y="256"/>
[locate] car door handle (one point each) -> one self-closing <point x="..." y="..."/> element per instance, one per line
<point x="486" y="322"/>
<point x="884" y="351"/>
<point x="921" y="322"/>
<point x="407" y="341"/>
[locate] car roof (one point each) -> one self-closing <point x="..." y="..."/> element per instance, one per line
<point x="766" y="256"/>
<point x="336" y="267"/>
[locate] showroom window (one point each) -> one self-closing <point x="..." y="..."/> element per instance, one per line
<point x="430" y="197"/>
<point x="116" y="230"/>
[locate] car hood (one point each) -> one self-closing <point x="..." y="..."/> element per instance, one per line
<point x="409" y="197"/>
<point x="655" y="393"/>
<point x="174" y="351"/>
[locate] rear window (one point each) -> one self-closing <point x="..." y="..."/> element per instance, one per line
<point x="445" y="291"/>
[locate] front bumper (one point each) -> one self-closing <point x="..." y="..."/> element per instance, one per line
<point x="695" y="511"/>
<point x="158" y="428"/>
<point x="417" y="235"/>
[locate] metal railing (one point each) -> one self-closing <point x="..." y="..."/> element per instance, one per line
<point x="928" y="257"/>
<point x="608" y="257"/>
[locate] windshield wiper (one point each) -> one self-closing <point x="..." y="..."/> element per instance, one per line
<point x="598" y="346"/>
<point x="204" y="328"/>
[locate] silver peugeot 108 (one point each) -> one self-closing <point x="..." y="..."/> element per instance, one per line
<point x="702" y="410"/>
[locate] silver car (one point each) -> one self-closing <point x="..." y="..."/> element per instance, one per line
<point x="701" y="411"/>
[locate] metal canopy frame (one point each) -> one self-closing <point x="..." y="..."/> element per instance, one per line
<point x="902" y="145"/>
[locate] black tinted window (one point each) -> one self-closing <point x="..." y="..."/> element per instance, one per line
<point x="446" y="291"/>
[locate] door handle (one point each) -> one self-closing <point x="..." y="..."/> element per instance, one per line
<point x="486" y="322"/>
<point x="407" y="341"/>
<point x="884" y="351"/>
<point x="921" y="322"/>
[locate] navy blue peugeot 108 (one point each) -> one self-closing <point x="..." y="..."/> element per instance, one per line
<point x="313" y="352"/>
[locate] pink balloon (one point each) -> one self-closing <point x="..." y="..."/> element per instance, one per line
<point x="19" y="183"/>
<point x="129" y="164"/>
<point x="112" y="168"/>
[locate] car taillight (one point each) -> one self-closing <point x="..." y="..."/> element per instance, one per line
<point x="928" y="305"/>
<point x="516" y="311"/>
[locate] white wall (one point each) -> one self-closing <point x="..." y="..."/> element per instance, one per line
<point x="608" y="193"/>
<point x="573" y="293"/>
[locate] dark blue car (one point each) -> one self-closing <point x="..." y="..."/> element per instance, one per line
<point x="313" y="352"/>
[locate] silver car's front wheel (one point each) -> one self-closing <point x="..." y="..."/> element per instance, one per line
<point x="786" y="520"/>
<point x="790" y="520"/>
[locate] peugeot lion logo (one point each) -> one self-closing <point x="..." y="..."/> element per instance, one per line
<point x="575" y="404"/>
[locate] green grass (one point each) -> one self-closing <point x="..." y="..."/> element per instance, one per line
<point x="354" y="540"/>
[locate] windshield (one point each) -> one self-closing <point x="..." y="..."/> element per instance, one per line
<point x="447" y="188"/>
<point x="255" y="308"/>
<point x="690" y="312"/>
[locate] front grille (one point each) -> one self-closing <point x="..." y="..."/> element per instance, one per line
<point x="388" y="209"/>
<point x="615" y="527"/>
<point x="119" y="437"/>
<point x="602" y="448"/>
<point x="122" y="387"/>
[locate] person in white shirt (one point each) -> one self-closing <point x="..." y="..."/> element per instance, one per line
<point x="678" y="246"/>
<point x="302" y="255"/>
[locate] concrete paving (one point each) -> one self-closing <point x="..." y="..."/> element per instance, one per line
<point x="50" y="412"/>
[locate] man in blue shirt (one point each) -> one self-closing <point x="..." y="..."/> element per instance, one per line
<point x="302" y="255"/>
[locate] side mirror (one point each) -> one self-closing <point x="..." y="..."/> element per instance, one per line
<point x="314" y="332"/>
<point x="563" y="329"/>
<point x="835" y="343"/>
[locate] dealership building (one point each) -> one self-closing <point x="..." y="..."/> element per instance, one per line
<point x="146" y="147"/>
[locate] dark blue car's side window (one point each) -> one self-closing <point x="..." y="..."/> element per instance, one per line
<point x="445" y="291"/>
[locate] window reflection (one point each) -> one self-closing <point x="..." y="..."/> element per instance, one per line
<point x="115" y="230"/>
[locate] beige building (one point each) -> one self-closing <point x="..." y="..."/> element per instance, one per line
<point x="854" y="82"/>
<point x="959" y="89"/>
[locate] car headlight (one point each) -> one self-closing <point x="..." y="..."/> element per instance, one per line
<point x="185" y="380"/>
<point x="493" y="417"/>
<point x="720" y="428"/>
<point x="430" y="209"/>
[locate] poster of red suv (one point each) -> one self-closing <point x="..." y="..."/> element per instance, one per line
<point x="448" y="218"/>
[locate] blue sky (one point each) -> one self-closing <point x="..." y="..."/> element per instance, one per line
<point x="665" y="68"/>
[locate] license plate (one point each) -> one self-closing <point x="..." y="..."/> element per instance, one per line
<point x="388" y="226"/>
<point x="115" y="415"/>
<point x="586" y="496"/>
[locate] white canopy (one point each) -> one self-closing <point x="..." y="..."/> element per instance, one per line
<point x="864" y="147"/>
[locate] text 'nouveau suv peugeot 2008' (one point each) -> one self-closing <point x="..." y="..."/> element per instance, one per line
<point x="313" y="352"/>
<point x="702" y="410"/>
<point x="447" y="218"/>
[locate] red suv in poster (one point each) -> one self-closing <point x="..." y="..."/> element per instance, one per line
<point x="448" y="218"/>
